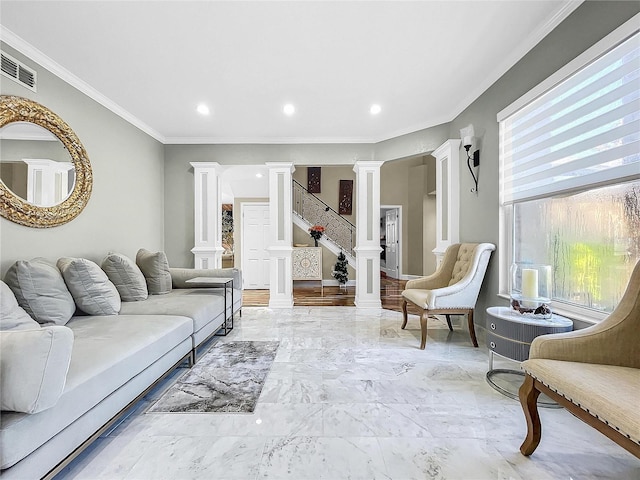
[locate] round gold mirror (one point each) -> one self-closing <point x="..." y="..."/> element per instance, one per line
<point x="45" y="173"/>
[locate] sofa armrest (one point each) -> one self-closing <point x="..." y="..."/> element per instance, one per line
<point x="179" y="276"/>
<point x="33" y="367"/>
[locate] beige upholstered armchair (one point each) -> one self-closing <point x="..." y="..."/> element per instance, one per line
<point x="594" y="373"/>
<point x="452" y="289"/>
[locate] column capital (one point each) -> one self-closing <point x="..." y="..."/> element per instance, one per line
<point x="284" y="166"/>
<point x="367" y="164"/>
<point x="203" y="165"/>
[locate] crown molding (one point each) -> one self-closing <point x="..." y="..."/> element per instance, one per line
<point x="264" y="140"/>
<point x="517" y="54"/>
<point x="25" y="48"/>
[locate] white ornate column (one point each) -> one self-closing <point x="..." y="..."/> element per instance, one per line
<point x="47" y="181"/>
<point x="447" y="196"/>
<point x="207" y="215"/>
<point x="368" y="234"/>
<point x="280" y="235"/>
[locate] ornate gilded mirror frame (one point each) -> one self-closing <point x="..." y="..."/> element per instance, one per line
<point x="18" y="210"/>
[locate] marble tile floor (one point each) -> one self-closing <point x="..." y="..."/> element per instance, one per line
<point x="350" y="396"/>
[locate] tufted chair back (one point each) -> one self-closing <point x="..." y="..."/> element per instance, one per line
<point x="464" y="261"/>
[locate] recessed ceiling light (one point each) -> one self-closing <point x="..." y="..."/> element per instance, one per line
<point x="259" y="175"/>
<point x="375" y="109"/>
<point x="203" y="109"/>
<point x="289" y="109"/>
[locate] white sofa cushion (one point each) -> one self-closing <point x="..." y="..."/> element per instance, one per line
<point x="126" y="276"/>
<point x="41" y="291"/>
<point x="12" y="315"/>
<point x="90" y="287"/>
<point x="33" y="367"/>
<point x="155" y="268"/>
<point x="201" y="305"/>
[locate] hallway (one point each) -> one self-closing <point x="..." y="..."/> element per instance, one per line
<point x="308" y="294"/>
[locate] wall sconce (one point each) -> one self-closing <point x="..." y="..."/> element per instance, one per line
<point x="468" y="140"/>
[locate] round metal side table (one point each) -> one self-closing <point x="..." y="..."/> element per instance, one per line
<point x="509" y="335"/>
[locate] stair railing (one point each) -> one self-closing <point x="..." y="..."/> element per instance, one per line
<point x="314" y="211"/>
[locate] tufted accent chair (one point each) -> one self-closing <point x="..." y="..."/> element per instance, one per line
<point x="452" y="289"/>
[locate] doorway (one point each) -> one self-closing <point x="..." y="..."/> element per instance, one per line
<point x="255" y="257"/>
<point x="391" y="241"/>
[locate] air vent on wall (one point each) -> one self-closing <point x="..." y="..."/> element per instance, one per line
<point x="18" y="72"/>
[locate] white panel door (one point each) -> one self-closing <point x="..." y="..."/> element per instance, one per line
<point x="255" y="257"/>
<point x="391" y="245"/>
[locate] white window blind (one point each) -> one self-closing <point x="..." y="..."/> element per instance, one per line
<point x="582" y="132"/>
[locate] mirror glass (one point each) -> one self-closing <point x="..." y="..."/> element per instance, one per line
<point x="35" y="165"/>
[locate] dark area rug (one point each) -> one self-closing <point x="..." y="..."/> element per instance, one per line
<point x="228" y="378"/>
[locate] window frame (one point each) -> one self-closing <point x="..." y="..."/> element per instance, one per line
<point x="506" y="212"/>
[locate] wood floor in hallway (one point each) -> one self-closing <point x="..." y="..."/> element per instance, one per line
<point x="309" y="294"/>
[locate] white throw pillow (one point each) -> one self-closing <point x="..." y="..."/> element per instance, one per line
<point x="12" y="315"/>
<point x="126" y="276"/>
<point x="41" y="291"/>
<point x="33" y="367"/>
<point x="155" y="268"/>
<point x="92" y="290"/>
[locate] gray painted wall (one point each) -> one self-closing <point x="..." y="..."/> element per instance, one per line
<point x="179" y="234"/>
<point x="479" y="213"/>
<point x="126" y="209"/>
<point x="404" y="182"/>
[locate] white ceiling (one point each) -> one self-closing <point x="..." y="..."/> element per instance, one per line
<point x="155" y="61"/>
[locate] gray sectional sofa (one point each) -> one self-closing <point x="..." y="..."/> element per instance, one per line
<point x="65" y="381"/>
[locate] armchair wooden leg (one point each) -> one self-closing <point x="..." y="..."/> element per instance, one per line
<point x="423" y="328"/>
<point x="449" y="322"/>
<point x="404" y="314"/>
<point x="472" y="330"/>
<point x="529" y="400"/>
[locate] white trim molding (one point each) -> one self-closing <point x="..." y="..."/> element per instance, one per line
<point x="28" y="50"/>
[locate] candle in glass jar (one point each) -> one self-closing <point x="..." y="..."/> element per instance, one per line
<point x="529" y="283"/>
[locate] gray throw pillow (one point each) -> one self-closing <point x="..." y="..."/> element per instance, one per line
<point x="155" y="268"/>
<point x="41" y="291"/>
<point x="12" y="315"/>
<point x="126" y="276"/>
<point x="92" y="290"/>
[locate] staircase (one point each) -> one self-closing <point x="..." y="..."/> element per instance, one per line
<point x="339" y="234"/>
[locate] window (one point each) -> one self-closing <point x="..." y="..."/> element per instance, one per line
<point x="570" y="176"/>
<point x="591" y="240"/>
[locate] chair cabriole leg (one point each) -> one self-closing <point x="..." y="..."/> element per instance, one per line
<point x="449" y="322"/>
<point x="404" y="314"/>
<point x="472" y="330"/>
<point x="423" y="329"/>
<point x="528" y="395"/>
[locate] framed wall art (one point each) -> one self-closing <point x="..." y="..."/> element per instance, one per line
<point x="345" y="197"/>
<point x="313" y="179"/>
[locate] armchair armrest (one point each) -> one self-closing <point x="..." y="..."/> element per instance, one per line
<point x="179" y="276"/>
<point x="604" y="344"/>
<point x="433" y="281"/>
<point x="614" y="341"/>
